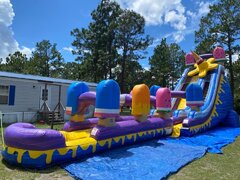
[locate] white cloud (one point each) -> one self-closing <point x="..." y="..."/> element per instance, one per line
<point x="178" y="21"/>
<point x="6" y="12"/>
<point x="203" y="9"/>
<point x="178" y="36"/>
<point x="8" y="44"/>
<point x="146" y="68"/>
<point x="70" y="49"/>
<point x="157" y="12"/>
<point x="193" y="20"/>
<point x="27" y="51"/>
<point x="86" y="51"/>
<point x="235" y="57"/>
<point x="155" y="42"/>
<point x="171" y="12"/>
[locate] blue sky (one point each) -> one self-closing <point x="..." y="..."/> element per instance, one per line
<point x="25" y="22"/>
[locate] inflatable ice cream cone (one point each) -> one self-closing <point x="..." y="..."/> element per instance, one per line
<point x="140" y="102"/>
<point x="189" y="59"/>
<point x="194" y="96"/>
<point x="163" y="103"/>
<point x="202" y="67"/>
<point x="107" y="102"/>
<point x="74" y="91"/>
<point x="219" y="55"/>
<point x="153" y="90"/>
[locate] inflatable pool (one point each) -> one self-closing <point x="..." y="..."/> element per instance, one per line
<point x="201" y="100"/>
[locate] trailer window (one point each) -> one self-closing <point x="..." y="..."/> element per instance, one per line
<point x="4" y="92"/>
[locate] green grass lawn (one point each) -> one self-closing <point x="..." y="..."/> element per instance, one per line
<point x="211" y="166"/>
<point x="214" y="166"/>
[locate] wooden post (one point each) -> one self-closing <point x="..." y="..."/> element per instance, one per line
<point x="45" y="98"/>
<point x="52" y="120"/>
<point x="58" y="104"/>
<point x="59" y="97"/>
<point x="44" y="103"/>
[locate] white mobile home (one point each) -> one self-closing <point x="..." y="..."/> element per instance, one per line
<point x="22" y="96"/>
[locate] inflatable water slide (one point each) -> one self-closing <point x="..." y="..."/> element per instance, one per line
<point x="201" y="100"/>
<point x="211" y="101"/>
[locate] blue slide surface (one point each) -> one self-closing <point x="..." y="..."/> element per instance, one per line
<point x="217" y="108"/>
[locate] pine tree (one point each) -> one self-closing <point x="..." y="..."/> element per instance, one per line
<point x="166" y="64"/>
<point x="46" y="60"/>
<point x="95" y="46"/>
<point x="16" y="62"/>
<point x="160" y="65"/>
<point x="177" y="60"/>
<point x="114" y="37"/>
<point x="220" y="26"/>
<point x="131" y="40"/>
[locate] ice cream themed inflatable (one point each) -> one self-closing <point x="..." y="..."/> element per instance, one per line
<point x="201" y="100"/>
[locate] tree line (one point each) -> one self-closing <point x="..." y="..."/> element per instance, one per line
<point x="114" y="42"/>
<point x="109" y="48"/>
<point x="221" y="27"/>
<point x="46" y="60"/>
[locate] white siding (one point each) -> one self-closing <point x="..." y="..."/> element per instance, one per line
<point x="55" y="94"/>
<point x="64" y="95"/>
<point x="26" y="96"/>
<point x="54" y="97"/>
<point x="27" y="99"/>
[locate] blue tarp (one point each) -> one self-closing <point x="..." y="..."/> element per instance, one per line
<point x="154" y="159"/>
<point x="213" y="140"/>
